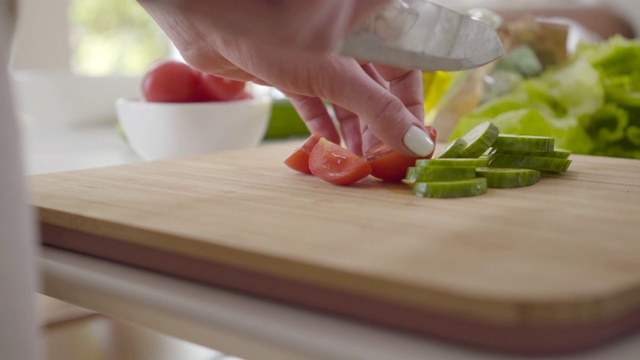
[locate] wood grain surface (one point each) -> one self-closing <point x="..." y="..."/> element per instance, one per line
<point x="564" y="251"/>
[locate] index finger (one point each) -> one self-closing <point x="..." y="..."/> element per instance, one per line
<point x="406" y="85"/>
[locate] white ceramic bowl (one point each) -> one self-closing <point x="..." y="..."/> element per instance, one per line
<point x="47" y="99"/>
<point x="171" y="130"/>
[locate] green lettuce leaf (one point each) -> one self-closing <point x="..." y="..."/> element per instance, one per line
<point x="624" y="89"/>
<point x="607" y="124"/>
<point x="590" y="105"/>
<point x="574" y="89"/>
<point x="614" y="57"/>
<point x="633" y="135"/>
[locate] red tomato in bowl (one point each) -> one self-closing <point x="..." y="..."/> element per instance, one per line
<point x="388" y="164"/>
<point x="337" y="165"/>
<point x="174" y="81"/>
<point x="299" y="160"/>
<point x="221" y="89"/>
<point x="170" y="81"/>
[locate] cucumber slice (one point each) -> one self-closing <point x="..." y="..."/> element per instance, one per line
<point x="453" y="149"/>
<point x="479" y="139"/>
<point x="529" y="162"/>
<point x="500" y="178"/>
<point x="450" y="189"/>
<point x="557" y="153"/>
<point x="524" y="143"/>
<point x="457" y="162"/>
<point x="439" y="173"/>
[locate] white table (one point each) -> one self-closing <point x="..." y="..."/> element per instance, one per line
<point x="229" y="322"/>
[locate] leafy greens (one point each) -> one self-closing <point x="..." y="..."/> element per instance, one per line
<point x="590" y="105"/>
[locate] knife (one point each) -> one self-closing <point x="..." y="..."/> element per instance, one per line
<point x="418" y="34"/>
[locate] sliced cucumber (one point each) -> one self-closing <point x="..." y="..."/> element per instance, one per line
<point x="479" y="139"/>
<point x="439" y="173"/>
<point x="453" y="149"/>
<point x="450" y="189"/>
<point x="524" y="143"/>
<point x="529" y="162"/>
<point x="500" y="178"/>
<point x="458" y="162"/>
<point x="556" y="153"/>
<point x="484" y="158"/>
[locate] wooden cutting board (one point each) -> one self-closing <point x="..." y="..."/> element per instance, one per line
<point x="550" y="268"/>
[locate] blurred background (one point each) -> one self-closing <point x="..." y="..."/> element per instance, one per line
<point x="87" y="37"/>
<point x="71" y="60"/>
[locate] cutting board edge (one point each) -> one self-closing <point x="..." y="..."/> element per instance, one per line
<point x="495" y="310"/>
<point x="529" y="339"/>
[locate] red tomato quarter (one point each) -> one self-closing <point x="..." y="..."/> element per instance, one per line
<point x="432" y="133"/>
<point x="170" y="81"/>
<point x="299" y="160"/>
<point x="337" y="165"/>
<point x="388" y="164"/>
<point x="222" y="89"/>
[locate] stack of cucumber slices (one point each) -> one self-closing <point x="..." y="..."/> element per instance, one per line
<point x="483" y="159"/>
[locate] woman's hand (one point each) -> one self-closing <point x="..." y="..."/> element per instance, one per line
<point x="309" y="25"/>
<point x="372" y="103"/>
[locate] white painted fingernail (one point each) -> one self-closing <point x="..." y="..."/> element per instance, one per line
<point x="418" y="141"/>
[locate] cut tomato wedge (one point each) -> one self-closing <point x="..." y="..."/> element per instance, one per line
<point x="299" y="160"/>
<point x="337" y="165"/>
<point x="432" y="133"/>
<point x="388" y="164"/>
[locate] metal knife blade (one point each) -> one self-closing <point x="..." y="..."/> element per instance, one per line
<point x="417" y="34"/>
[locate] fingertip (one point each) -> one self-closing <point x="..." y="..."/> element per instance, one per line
<point x="418" y="141"/>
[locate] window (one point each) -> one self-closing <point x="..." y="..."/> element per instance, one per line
<point x="113" y="37"/>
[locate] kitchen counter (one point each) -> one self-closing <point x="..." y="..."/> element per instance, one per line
<point x="233" y="323"/>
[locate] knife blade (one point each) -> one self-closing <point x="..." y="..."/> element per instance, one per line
<point x="418" y="34"/>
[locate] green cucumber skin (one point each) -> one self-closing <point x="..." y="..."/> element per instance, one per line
<point x="529" y="162"/>
<point x="439" y="173"/>
<point x="556" y="154"/>
<point x="498" y="178"/>
<point x="524" y="143"/>
<point x="453" y="149"/>
<point x="443" y="190"/>
<point x="457" y="162"/>
<point x="479" y="139"/>
<point x="496" y="160"/>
